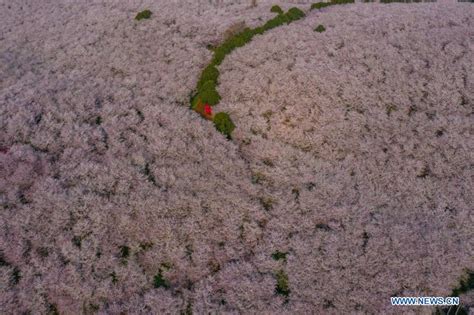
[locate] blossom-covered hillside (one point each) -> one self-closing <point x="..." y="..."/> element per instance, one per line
<point x="348" y="178"/>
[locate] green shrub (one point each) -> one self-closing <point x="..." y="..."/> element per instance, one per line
<point x="210" y="47"/>
<point x="194" y="101"/>
<point x="16" y="276"/>
<point x="124" y="251"/>
<point x="3" y="262"/>
<point x="210" y="96"/>
<point x="269" y="25"/>
<point x="456" y="310"/>
<point x="77" y="240"/>
<point x="149" y="174"/>
<point x="219" y="55"/>
<point x="275" y="22"/>
<point x="276" y="9"/>
<point x="237" y="41"/>
<point x="320" y="28"/>
<point x="283" y="18"/>
<point x="259" y="30"/>
<point x="145" y="14"/>
<point x="282" y="286"/>
<point x="224" y="124"/>
<point x="295" y="14"/>
<point x="279" y="255"/>
<point x="113" y="275"/>
<point x="228" y="46"/>
<point x="208" y="85"/>
<point x="210" y="73"/>
<point x="247" y="34"/>
<point x="466" y="284"/>
<point x="43" y="252"/>
<point x="257" y="178"/>
<point x="319" y="5"/>
<point x="341" y="1"/>
<point x="267" y="203"/>
<point x="223" y="50"/>
<point x="51" y="308"/>
<point x="159" y="281"/>
<point x="146" y="245"/>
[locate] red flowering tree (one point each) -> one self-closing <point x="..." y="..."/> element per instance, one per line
<point x="204" y="109"/>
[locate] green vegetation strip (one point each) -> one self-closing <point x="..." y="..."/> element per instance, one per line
<point x="206" y="94"/>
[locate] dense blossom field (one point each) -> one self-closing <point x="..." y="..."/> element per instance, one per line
<point x="349" y="177"/>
